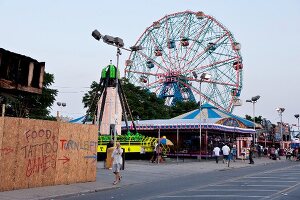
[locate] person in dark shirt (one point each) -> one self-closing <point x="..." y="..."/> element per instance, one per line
<point x="251" y="154"/>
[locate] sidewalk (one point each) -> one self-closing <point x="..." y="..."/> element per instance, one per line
<point x="136" y="171"/>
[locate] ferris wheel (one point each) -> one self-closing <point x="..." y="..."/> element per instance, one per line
<point x="177" y="49"/>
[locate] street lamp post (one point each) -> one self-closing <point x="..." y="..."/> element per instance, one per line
<point x="280" y="111"/>
<point x="204" y="77"/>
<point x="297" y="117"/>
<point x="253" y="100"/>
<point x="61" y="105"/>
<point x="119" y="44"/>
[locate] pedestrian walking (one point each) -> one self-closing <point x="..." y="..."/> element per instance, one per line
<point x="296" y="152"/>
<point x="251" y="154"/>
<point x="117" y="162"/>
<point x="272" y="153"/>
<point x="277" y="154"/>
<point x="233" y="152"/>
<point x="225" y="150"/>
<point x="216" y="152"/>
<point x="155" y="152"/>
<point x="288" y="153"/>
<point x="259" y="150"/>
<point x="243" y="154"/>
<point x="266" y="151"/>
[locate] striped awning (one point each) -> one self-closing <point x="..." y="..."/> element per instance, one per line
<point x="212" y="113"/>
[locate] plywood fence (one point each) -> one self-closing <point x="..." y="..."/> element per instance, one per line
<point x="35" y="153"/>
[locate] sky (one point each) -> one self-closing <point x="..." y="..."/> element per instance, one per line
<point x="59" y="33"/>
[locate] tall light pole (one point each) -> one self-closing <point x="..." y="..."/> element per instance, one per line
<point x="297" y="117"/>
<point x="119" y="44"/>
<point x="280" y="111"/>
<point x="204" y="77"/>
<point x="60" y="105"/>
<point x="253" y="100"/>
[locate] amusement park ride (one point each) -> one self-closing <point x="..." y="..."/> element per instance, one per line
<point x="180" y="44"/>
<point x="164" y="60"/>
<point x="107" y="103"/>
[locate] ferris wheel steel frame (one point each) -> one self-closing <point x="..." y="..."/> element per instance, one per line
<point x="179" y="44"/>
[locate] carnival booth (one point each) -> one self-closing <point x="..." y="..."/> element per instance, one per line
<point x="243" y="147"/>
<point x="217" y="127"/>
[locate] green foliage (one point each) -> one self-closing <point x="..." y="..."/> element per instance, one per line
<point x="129" y="137"/>
<point x="248" y="117"/>
<point x="258" y="119"/>
<point x="89" y="99"/>
<point x="143" y="103"/>
<point x="33" y="105"/>
<point x="182" y="107"/>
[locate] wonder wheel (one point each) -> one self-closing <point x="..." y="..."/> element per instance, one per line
<point x="177" y="50"/>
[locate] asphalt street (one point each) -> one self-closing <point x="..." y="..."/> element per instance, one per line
<point x="271" y="181"/>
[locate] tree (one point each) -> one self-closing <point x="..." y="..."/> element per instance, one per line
<point x="34" y="106"/>
<point x="258" y="119"/>
<point x="183" y="107"/>
<point x="89" y="99"/>
<point x="144" y="104"/>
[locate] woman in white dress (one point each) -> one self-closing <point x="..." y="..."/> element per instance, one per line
<point x="117" y="162"/>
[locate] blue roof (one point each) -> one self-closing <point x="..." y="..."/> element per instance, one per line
<point x="192" y="115"/>
<point x="77" y="120"/>
<point x="210" y="112"/>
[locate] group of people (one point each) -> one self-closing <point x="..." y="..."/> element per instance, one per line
<point x="292" y="153"/>
<point x="230" y="153"/>
<point x="274" y="153"/>
<point x="227" y="152"/>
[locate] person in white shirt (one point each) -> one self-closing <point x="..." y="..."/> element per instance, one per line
<point x="216" y="151"/>
<point x="225" y="150"/>
<point x="155" y="152"/>
<point x="117" y="162"/>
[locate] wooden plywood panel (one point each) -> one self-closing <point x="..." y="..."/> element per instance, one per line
<point x="82" y="159"/>
<point x="38" y="144"/>
<point x="88" y="156"/>
<point x="40" y="153"/>
<point x="9" y="143"/>
<point x="50" y="153"/>
<point x="92" y="164"/>
<point x="73" y="147"/>
<point x="21" y="181"/>
<point x="63" y="156"/>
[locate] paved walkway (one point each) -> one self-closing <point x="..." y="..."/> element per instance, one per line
<point x="135" y="172"/>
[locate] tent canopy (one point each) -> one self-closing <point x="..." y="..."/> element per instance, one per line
<point x="210" y="113"/>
